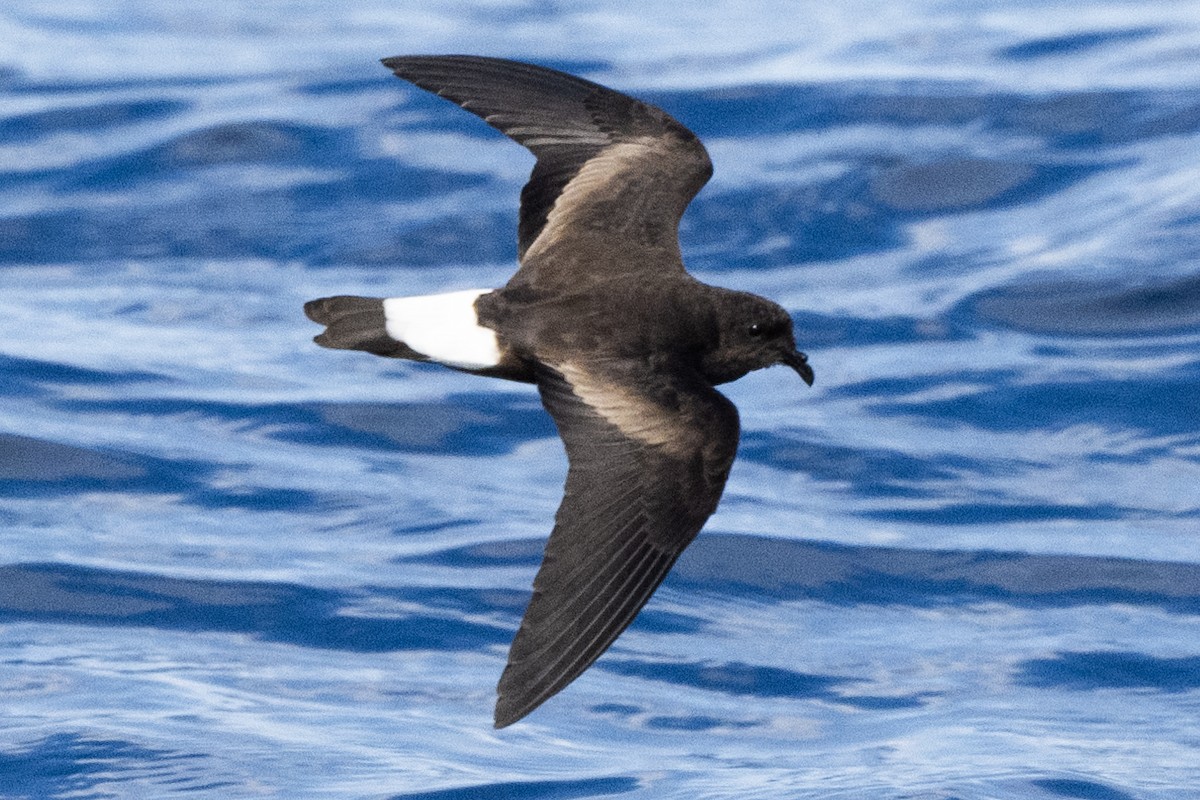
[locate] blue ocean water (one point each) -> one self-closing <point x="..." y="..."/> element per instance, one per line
<point x="965" y="565"/>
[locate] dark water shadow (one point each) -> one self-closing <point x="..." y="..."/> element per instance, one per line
<point x="35" y="468"/>
<point x="750" y="680"/>
<point x="77" y="765"/>
<point x="817" y="331"/>
<point x="310" y="216"/>
<point x="1066" y="120"/>
<point x="864" y="210"/>
<point x="1163" y="403"/>
<point x="782" y="569"/>
<point x="1003" y="512"/>
<point x="532" y="790"/>
<point x="695" y="723"/>
<point x="1082" y="41"/>
<point x="1080" y="789"/>
<point x="880" y="472"/>
<point x="31" y="467"/>
<point x="843" y="574"/>
<point x="332" y="206"/>
<point x="865" y="471"/>
<point x="715" y="563"/>
<point x="476" y="423"/>
<point x="27" y="377"/>
<point x="86" y="119"/>
<point x="24" y="458"/>
<point x="952" y="184"/>
<point x="1083" y="671"/>
<point x="1101" y="309"/>
<point x="272" y="612"/>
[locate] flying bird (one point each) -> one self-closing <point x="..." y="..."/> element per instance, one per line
<point x="623" y="345"/>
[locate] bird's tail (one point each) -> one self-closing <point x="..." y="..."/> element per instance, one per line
<point x="357" y="323"/>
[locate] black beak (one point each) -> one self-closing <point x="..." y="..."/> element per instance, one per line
<point x="799" y="362"/>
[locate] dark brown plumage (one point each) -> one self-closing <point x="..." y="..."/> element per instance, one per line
<point x="624" y="345"/>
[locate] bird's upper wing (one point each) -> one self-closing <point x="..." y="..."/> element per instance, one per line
<point x="649" y="453"/>
<point x="607" y="164"/>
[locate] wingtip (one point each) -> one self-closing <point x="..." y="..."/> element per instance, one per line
<point x="505" y="714"/>
<point x="515" y="702"/>
<point x="395" y="63"/>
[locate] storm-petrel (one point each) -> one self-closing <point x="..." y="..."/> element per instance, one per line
<point x="623" y="344"/>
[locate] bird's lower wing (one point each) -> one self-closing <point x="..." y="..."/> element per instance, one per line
<point x="649" y="454"/>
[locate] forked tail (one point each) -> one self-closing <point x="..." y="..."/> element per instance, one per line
<point x="356" y="323"/>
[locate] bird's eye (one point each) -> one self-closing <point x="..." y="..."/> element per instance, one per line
<point x="756" y="330"/>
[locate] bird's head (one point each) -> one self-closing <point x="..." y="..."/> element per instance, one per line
<point x="754" y="333"/>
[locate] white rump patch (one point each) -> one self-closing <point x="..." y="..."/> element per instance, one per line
<point x="443" y="327"/>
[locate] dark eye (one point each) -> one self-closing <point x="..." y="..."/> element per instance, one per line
<point x="756" y="330"/>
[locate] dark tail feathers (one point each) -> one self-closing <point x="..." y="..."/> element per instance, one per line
<point x="356" y="323"/>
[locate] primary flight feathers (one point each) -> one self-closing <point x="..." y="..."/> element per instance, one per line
<point x="645" y="168"/>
